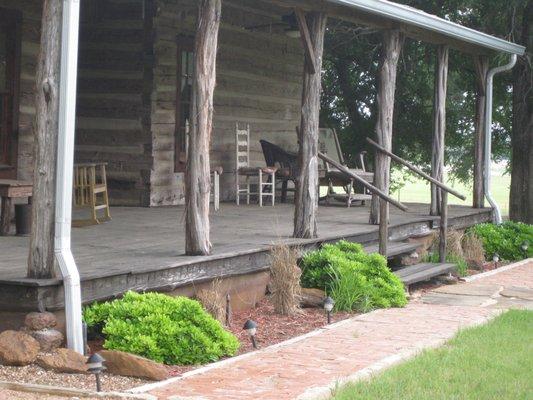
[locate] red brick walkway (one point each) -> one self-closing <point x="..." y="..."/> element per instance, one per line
<point x="304" y="368"/>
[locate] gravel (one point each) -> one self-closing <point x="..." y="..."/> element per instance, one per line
<point x="37" y="375"/>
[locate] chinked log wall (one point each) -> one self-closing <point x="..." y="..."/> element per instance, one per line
<point x="112" y="113"/>
<point x="31" y="22"/>
<point x="258" y="82"/>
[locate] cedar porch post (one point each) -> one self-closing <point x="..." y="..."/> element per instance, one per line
<point x="392" y="46"/>
<point x="482" y="68"/>
<point x="439" y="126"/>
<point x="41" y="254"/>
<point x="312" y="31"/>
<point x="197" y="174"/>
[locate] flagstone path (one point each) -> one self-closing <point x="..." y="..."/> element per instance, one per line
<point x="310" y="366"/>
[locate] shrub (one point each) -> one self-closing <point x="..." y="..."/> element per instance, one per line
<point x="356" y="280"/>
<point x="505" y="239"/>
<point x="173" y="330"/>
<point x="285" y="277"/>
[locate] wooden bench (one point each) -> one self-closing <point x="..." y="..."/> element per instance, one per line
<point x="11" y="189"/>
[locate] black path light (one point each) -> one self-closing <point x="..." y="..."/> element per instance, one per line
<point x="328" y="306"/>
<point x="496" y="259"/>
<point x="525" y="246"/>
<point x="251" y="327"/>
<point x="95" y="365"/>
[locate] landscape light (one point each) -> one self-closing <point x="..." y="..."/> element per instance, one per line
<point x="525" y="245"/>
<point x="251" y="327"/>
<point x="496" y="258"/>
<point x="328" y="306"/>
<point x="95" y="365"/>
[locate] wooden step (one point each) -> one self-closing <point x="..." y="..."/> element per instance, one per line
<point x="423" y="272"/>
<point x="394" y="248"/>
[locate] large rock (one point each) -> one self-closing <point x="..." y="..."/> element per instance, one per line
<point x="311" y="298"/>
<point x="63" y="360"/>
<point x="49" y="339"/>
<point x="126" y="364"/>
<point x="36" y="321"/>
<point x="17" y="348"/>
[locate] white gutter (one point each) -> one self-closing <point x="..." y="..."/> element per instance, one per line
<point x="65" y="165"/>
<point x="421" y="19"/>
<point x="488" y="136"/>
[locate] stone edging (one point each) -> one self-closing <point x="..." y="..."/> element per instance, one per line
<point x="498" y="270"/>
<point x="70" y="392"/>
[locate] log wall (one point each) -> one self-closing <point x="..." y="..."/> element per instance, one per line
<point x="111" y="110"/>
<point x="258" y="82"/>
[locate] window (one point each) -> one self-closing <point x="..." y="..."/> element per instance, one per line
<point x="9" y="88"/>
<point x="185" y="68"/>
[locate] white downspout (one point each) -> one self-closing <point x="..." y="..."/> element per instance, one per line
<point x="65" y="165"/>
<point x="488" y="136"/>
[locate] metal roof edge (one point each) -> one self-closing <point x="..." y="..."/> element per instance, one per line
<point x="413" y="16"/>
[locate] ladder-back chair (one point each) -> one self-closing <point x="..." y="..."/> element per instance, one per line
<point x="243" y="169"/>
<point x="90" y="191"/>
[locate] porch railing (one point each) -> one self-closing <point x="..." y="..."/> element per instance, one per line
<point x="444" y="190"/>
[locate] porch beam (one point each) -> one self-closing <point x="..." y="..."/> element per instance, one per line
<point x="197" y="174"/>
<point x="392" y="45"/>
<point x="306" y="41"/>
<point x="41" y="253"/>
<point x="439" y="126"/>
<point x="306" y="197"/>
<point x="482" y="68"/>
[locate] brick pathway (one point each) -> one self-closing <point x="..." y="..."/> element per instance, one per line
<point x="306" y="367"/>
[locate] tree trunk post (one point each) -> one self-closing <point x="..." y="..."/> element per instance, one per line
<point x="197" y="174"/>
<point x="41" y="255"/>
<point x="306" y="197"/>
<point x="392" y="46"/>
<point x="443" y="229"/>
<point x="521" y="195"/>
<point x="482" y="68"/>
<point x="439" y="126"/>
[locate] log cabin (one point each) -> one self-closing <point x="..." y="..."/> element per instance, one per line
<point x="154" y="89"/>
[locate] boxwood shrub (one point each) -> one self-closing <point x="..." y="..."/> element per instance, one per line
<point x="506" y="240"/>
<point x="356" y="280"/>
<point x="173" y="330"/>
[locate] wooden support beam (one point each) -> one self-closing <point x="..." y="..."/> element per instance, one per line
<point x="482" y="68"/>
<point x="383" y="227"/>
<point x="306" y="196"/>
<point x="443" y="229"/>
<point x="305" y="36"/>
<point x="197" y="174"/>
<point x="392" y="46"/>
<point x="439" y="125"/>
<point x="41" y="255"/>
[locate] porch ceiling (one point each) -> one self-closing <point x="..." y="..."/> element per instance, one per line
<point x="414" y="23"/>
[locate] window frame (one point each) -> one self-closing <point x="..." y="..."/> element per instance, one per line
<point x="184" y="44"/>
<point x="12" y="19"/>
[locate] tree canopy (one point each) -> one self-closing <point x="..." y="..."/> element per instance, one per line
<point x="349" y="86"/>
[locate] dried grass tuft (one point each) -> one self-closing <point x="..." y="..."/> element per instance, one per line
<point x="454" y="246"/>
<point x="214" y="300"/>
<point x="285" y="276"/>
<point x="473" y="250"/>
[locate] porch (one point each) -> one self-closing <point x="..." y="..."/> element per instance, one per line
<point x="143" y="249"/>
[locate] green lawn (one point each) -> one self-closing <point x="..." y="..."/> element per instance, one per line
<point x="419" y="192"/>
<point x="493" y="361"/>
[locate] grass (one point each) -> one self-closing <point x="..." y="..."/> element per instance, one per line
<point x="419" y="192"/>
<point x="493" y="361"/>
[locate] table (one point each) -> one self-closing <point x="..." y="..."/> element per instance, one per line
<point x="11" y="189"/>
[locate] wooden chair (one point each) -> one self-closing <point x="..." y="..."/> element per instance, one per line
<point x="243" y="169"/>
<point x="285" y="162"/>
<point x="90" y="183"/>
<point x="331" y="177"/>
<point x="215" y="182"/>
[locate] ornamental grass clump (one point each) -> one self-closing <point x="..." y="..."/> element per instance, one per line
<point x="356" y="280"/>
<point x="213" y="300"/>
<point x="285" y="279"/>
<point x="173" y="330"/>
<point x="506" y="240"/>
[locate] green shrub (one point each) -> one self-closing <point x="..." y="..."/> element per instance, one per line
<point x="356" y="280"/>
<point x="506" y="240"/>
<point x="173" y="330"/>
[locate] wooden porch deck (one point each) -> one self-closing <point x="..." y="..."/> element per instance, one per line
<point x="143" y="248"/>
